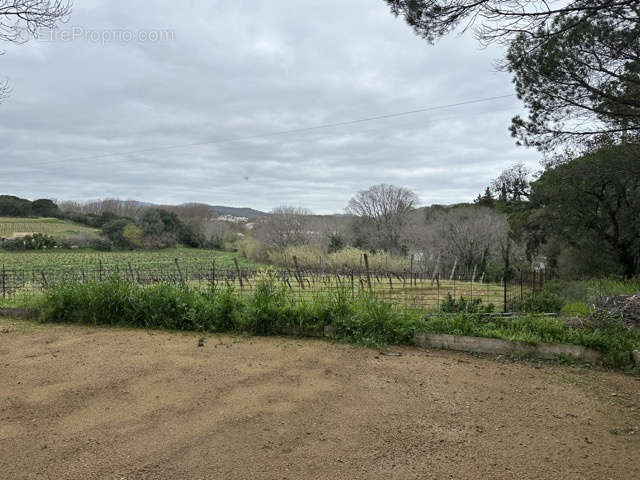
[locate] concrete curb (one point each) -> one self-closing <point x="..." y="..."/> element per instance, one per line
<point x="504" y="347"/>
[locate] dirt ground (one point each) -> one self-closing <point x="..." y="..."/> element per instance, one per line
<point x="98" y="403"/>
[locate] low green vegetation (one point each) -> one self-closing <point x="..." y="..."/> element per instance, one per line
<point x="269" y="309"/>
<point x="59" y="259"/>
<point x="574" y="297"/>
<point x="48" y="226"/>
<point x="313" y="256"/>
<point x="463" y="305"/>
<point x="604" y="333"/>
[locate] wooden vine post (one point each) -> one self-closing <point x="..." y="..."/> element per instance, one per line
<point x="366" y="266"/>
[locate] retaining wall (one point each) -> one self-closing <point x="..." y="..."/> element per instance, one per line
<point x="504" y="347"/>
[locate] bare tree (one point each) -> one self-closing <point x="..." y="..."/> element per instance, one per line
<point x="196" y="215"/>
<point x="285" y="226"/>
<point x="472" y="237"/>
<point x="122" y="208"/>
<point x="215" y="231"/>
<point x="383" y="211"/>
<point x="22" y="19"/>
<point x="4" y="90"/>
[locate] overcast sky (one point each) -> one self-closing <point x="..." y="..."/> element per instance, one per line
<point x="226" y="70"/>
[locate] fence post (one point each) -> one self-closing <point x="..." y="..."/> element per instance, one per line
<point x="131" y="272"/>
<point x="213" y="273"/>
<point x="235" y="261"/>
<point x="504" y="285"/>
<point x="100" y="269"/>
<point x="4" y="282"/>
<point x="521" y="272"/>
<point x="411" y="266"/>
<point x="436" y="270"/>
<point x="353" y="292"/>
<point x="179" y="272"/>
<point x="366" y="266"/>
<point x="453" y="270"/>
<point x="298" y="274"/>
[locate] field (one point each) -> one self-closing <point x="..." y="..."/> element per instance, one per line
<point x="51" y="260"/>
<point x="50" y="226"/>
<point x="104" y="403"/>
<point x="32" y="271"/>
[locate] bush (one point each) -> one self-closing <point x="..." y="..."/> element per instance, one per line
<point x="451" y="305"/>
<point x="37" y="241"/>
<point x="114" y="231"/>
<point x="372" y="322"/>
<point x="575" y="309"/>
<point x="100" y="244"/>
<point x="252" y="249"/>
<point x="267" y="308"/>
<point x="542" y="301"/>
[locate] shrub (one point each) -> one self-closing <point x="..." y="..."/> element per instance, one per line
<point x="114" y="231"/>
<point x="266" y="308"/>
<point x="252" y="249"/>
<point x="37" y="241"/>
<point x="542" y="301"/>
<point x="133" y="235"/>
<point x="373" y="322"/>
<point x="100" y="244"/>
<point x="336" y="243"/>
<point x="451" y="305"/>
<point x="575" y="309"/>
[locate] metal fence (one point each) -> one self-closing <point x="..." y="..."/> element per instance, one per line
<point x="421" y="290"/>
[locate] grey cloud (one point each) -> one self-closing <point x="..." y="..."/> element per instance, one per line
<point x="245" y="68"/>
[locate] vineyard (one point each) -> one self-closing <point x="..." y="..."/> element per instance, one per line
<point x="71" y="260"/>
<point x="32" y="272"/>
<point x="49" y="226"/>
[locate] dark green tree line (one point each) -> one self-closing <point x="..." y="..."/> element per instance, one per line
<point x="590" y="204"/>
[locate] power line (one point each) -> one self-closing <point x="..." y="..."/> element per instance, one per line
<point x="278" y="133"/>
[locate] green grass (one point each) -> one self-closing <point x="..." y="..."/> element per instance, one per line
<point x="58" y="259"/>
<point x="606" y="334"/>
<point x="586" y="291"/>
<point x="50" y="226"/>
<point x="270" y="309"/>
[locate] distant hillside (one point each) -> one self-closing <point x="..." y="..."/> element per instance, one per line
<point x="218" y="210"/>
<point x="250" y="213"/>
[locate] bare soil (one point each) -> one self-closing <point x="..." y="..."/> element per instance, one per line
<point x="97" y="403"/>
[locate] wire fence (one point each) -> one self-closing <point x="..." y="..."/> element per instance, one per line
<point x="421" y="290"/>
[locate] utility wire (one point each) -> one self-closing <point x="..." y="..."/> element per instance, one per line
<point x="274" y="134"/>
